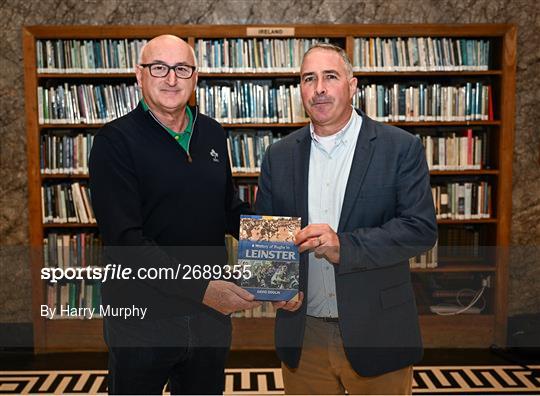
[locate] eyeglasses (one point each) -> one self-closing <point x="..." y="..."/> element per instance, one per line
<point x="160" y="70"/>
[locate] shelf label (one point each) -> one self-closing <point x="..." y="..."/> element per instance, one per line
<point x="270" y="31"/>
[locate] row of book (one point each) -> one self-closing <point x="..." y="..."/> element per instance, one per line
<point x="265" y="310"/>
<point x="83" y="249"/>
<point x="246" y="148"/>
<point x="248" y="193"/>
<point x="66" y="203"/>
<point x="428" y="259"/>
<point x="86" y="103"/>
<point x="85" y="294"/>
<point x="256" y="101"/>
<point x="251" y="54"/>
<point x="88" y="56"/>
<point x="462" y="241"/>
<point x="71" y="250"/>
<point x="420" y="54"/>
<point x="425" y="260"/>
<point x="268" y="54"/>
<point x="75" y="294"/>
<point x="425" y="102"/>
<point x="70" y="203"/>
<point x="456" y="151"/>
<point x="462" y="201"/>
<point x="259" y="101"/>
<point x="61" y="153"/>
<point x="465" y="201"/>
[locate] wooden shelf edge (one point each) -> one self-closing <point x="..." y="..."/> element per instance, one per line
<point x="70" y="225"/>
<point x="84" y="75"/>
<point x="269" y="74"/>
<point x="427" y="73"/>
<point x="69" y="126"/>
<point x="469" y="221"/>
<point x="456" y="268"/>
<point x="300" y="124"/>
<point x="62" y="176"/>
<point x="464" y="172"/>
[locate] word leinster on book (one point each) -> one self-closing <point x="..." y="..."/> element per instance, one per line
<point x="267" y="253"/>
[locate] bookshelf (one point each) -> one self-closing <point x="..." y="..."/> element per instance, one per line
<point x="489" y="235"/>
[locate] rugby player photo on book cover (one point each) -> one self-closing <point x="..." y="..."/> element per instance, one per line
<point x="266" y="250"/>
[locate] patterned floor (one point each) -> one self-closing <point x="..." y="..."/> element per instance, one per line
<point x="456" y="380"/>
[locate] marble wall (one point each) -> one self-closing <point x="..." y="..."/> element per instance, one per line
<point x="15" y="295"/>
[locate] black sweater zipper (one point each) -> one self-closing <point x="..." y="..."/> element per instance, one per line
<point x="190" y="160"/>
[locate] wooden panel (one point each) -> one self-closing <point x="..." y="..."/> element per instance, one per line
<point x="471" y="331"/>
<point x="35" y="231"/>
<point x="219" y="31"/>
<point x="66" y="335"/>
<point x="69" y="335"/>
<point x="253" y="333"/>
<point x="504" y="193"/>
<point x="258" y="333"/>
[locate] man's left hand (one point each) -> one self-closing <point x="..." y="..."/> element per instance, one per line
<point x="321" y="239"/>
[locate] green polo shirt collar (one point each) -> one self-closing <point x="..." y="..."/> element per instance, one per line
<point x="182" y="138"/>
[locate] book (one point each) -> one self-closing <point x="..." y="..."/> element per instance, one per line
<point x="269" y="257"/>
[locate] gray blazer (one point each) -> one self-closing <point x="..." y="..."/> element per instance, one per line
<point x="387" y="216"/>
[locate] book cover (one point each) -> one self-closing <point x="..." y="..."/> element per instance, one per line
<point x="268" y="255"/>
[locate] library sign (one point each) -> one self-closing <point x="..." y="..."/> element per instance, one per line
<point x="269" y="31"/>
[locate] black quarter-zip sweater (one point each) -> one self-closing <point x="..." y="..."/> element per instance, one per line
<point x="158" y="208"/>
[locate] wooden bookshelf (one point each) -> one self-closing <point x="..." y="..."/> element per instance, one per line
<point x="257" y="333"/>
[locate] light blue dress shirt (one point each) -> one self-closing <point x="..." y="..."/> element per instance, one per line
<point x="329" y="167"/>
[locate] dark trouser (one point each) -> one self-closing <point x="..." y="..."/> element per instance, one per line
<point x="187" y="352"/>
<point x="147" y="370"/>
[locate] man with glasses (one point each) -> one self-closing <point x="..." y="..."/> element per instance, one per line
<point x="163" y="195"/>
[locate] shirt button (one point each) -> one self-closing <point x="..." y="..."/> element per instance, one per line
<point x="177" y="137"/>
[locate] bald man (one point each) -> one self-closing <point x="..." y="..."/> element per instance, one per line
<point x="163" y="196"/>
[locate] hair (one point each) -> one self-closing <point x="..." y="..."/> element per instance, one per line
<point x="331" y="47"/>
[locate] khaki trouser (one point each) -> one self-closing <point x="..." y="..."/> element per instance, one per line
<point x="325" y="369"/>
